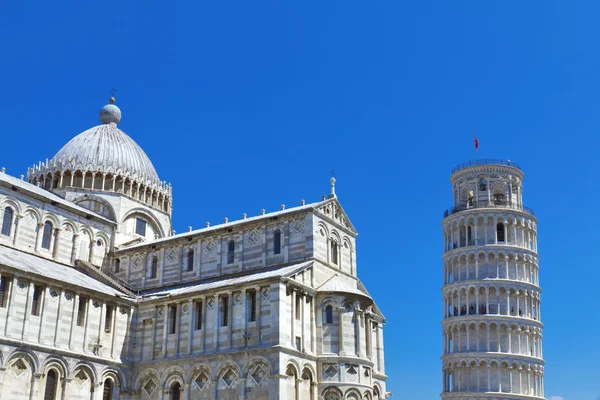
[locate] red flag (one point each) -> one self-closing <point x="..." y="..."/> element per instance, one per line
<point x="476" y="142"/>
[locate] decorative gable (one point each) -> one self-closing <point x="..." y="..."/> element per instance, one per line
<point x="334" y="211"/>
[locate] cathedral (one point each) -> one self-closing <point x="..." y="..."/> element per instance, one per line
<point x="100" y="299"/>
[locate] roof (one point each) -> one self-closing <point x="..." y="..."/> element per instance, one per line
<point x="28" y="188"/>
<point x="106" y="148"/>
<point x="230" y="224"/>
<point x="253" y="276"/>
<point x="336" y="285"/>
<point x="32" y="264"/>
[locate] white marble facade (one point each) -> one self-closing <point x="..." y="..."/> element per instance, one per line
<point x="100" y="300"/>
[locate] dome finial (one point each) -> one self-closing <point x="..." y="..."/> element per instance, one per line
<point x="112" y="95"/>
<point x="110" y="114"/>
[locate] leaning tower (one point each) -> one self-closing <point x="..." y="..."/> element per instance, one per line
<point x="492" y="321"/>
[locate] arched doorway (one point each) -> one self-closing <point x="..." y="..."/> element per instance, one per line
<point x="306" y="385"/>
<point x="51" y="382"/>
<point x="108" y="389"/>
<point x="291" y="382"/>
<point x="175" y="391"/>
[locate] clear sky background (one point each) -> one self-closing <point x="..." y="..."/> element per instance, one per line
<point x="244" y="105"/>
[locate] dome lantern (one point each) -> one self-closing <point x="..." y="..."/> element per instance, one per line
<point x="110" y="113"/>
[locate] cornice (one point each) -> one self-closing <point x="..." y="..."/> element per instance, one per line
<point x="490" y="282"/>
<point x="486" y="248"/>
<point x="492" y="356"/>
<point x="474" y="171"/>
<point x="20" y="344"/>
<point x="492" y="318"/>
<point x="487" y="211"/>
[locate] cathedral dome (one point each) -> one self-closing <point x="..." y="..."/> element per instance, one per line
<point x="105" y="148"/>
<point x="104" y="158"/>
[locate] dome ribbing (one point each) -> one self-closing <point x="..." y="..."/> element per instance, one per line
<point x="106" y="148"/>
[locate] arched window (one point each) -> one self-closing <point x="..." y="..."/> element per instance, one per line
<point x="498" y="198"/>
<point x="277" y="242"/>
<point x="175" y="391"/>
<point x="108" y="389"/>
<point x="329" y="314"/>
<point x="230" y="252"/>
<point x="51" y="381"/>
<point x="47" y="237"/>
<point x="332" y="394"/>
<point x="500" y="232"/>
<point x="334" y="252"/>
<point x="7" y="221"/>
<point x="482" y="185"/>
<point x="190" y="260"/>
<point x="376" y="393"/>
<point x="154" y="267"/>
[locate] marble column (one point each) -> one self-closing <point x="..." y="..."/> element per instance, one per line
<point x="18" y="219"/>
<point x="341" y="350"/>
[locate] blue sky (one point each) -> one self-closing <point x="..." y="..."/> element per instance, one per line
<point x="248" y="105"/>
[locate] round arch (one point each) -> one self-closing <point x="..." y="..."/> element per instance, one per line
<point x="53" y="218"/>
<point x="110" y="211"/>
<point x="142" y="378"/>
<point x="332" y="393"/>
<point x="151" y="218"/>
<point x="252" y="362"/>
<point x="88" y="368"/>
<point x="171" y="374"/>
<point x="31" y="357"/>
<point x="12" y="203"/>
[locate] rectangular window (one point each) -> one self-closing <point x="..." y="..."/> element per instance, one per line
<point x="35" y="304"/>
<point x="199" y="315"/>
<point x="277" y="242"/>
<point x="329" y="314"/>
<point x="298" y="306"/>
<point x="500" y="232"/>
<point x="190" y="260"/>
<point x="81" y="310"/>
<point x="47" y="236"/>
<point x="154" y="267"/>
<point x="108" y="318"/>
<point x="172" y="319"/>
<point x="298" y="343"/>
<point x="230" y="252"/>
<point x="224" y="310"/>
<point x="4" y="291"/>
<point x="140" y="227"/>
<point x="251" y="305"/>
<point x="7" y="221"/>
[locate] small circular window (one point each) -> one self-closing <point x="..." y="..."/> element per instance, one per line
<point x="99" y="243"/>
